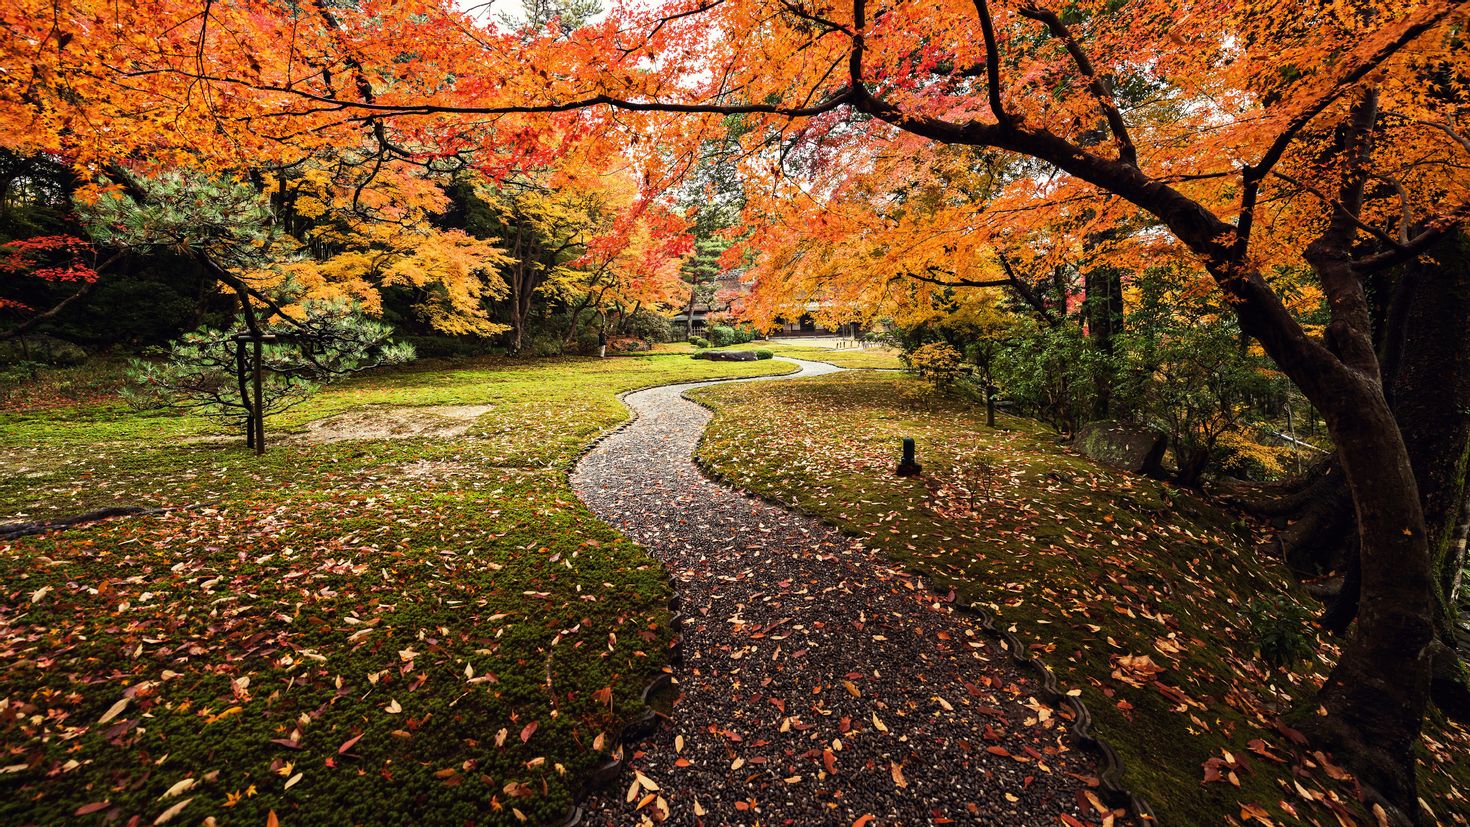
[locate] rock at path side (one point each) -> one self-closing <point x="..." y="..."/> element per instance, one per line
<point x="728" y="355"/>
<point x="1122" y="445"/>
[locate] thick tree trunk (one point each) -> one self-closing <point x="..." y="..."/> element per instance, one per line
<point x="1426" y="359"/>
<point x="1376" y="695"/>
<point x="1192" y="465"/>
<point x="1427" y="354"/>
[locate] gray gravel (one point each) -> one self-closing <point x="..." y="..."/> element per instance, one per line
<point x="820" y="684"/>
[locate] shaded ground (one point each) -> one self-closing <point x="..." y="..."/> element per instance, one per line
<point x="405" y="630"/>
<point x="820" y="684"/>
<point x="1150" y="601"/>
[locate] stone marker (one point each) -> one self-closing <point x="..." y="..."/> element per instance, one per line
<point x="908" y="467"/>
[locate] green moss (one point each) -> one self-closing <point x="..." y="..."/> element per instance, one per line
<point x="1086" y="564"/>
<point x="422" y="594"/>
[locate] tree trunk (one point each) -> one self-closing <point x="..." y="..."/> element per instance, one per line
<point x="1426" y="359"/>
<point x="1192" y="465"/>
<point x="1427" y="355"/>
<point x="1376" y="695"/>
<point x="1103" y="311"/>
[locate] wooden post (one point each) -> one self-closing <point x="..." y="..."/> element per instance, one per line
<point x="259" y="394"/>
<point x="244" y="392"/>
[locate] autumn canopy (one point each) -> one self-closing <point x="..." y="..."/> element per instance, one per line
<point x="1290" y="164"/>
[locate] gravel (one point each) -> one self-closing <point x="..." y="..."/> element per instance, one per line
<point x="820" y="684"/>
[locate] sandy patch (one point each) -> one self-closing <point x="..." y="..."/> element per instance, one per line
<point x="435" y="421"/>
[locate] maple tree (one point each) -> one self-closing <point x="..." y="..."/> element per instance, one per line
<point x="1240" y="138"/>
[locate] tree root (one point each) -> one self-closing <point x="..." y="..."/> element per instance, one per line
<point x="10" y="531"/>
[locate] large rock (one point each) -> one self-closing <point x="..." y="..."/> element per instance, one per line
<point x="727" y="355"/>
<point x="1123" y="445"/>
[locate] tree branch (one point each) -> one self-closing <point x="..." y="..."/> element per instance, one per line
<point x="1358" y="67"/>
<point x="81" y="293"/>
<point x="992" y="64"/>
<point x="1100" y="86"/>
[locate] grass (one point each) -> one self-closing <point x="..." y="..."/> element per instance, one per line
<point x="1135" y="593"/>
<point x="409" y="631"/>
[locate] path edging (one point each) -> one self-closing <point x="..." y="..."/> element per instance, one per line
<point x="1110" y="774"/>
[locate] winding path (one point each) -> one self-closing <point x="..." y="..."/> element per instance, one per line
<point x="820" y="684"/>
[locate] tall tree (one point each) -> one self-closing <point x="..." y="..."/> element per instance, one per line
<point x="1300" y="110"/>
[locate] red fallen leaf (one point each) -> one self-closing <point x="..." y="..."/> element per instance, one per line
<point x="998" y="750"/>
<point x="528" y="731"/>
<point x="863" y="820"/>
<point x="1293" y="735"/>
<point x="350" y="743"/>
<point x="1071" y="822"/>
<point x="94" y="807"/>
<point x="829" y="761"/>
<point x="286" y="742"/>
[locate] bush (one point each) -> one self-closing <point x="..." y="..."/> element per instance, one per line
<point x="724" y="335"/>
<point x="765" y="354"/>
<point x="41" y="350"/>
<point x="649" y="326"/>
<point x="588" y="343"/>
<point x="544" y="344"/>
<point x="449" y="347"/>
<point x="721" y="336"/>
<point x="938" y="364"/>
<point x="699" y="342"/>
<point x="1282" y="628"/>
<point x="1049" y="371"/>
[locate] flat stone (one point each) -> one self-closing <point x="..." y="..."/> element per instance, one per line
<point x="727" y="355"/>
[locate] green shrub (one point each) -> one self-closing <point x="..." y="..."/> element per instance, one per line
<point x="721" y="336"/>
<point x="699" y="342"/>
<point x="449" y="347"/>
<point x="1282" y="630"/>
<point x="42" y="350"/>
<point x="588" y="342"/>
<point x="764" y="354"/>
<point x="725" y="335"/>
<point x="544" y="344"/>
<point x="649" y="326"/>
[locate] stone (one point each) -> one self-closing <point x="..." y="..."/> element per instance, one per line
<point x="1123" y="445"/>
<point x="727" y="355"/>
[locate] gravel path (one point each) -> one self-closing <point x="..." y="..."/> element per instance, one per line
<point x="820" y="684"/>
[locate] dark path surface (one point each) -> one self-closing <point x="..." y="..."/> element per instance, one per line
<point x="820" y="685"/>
